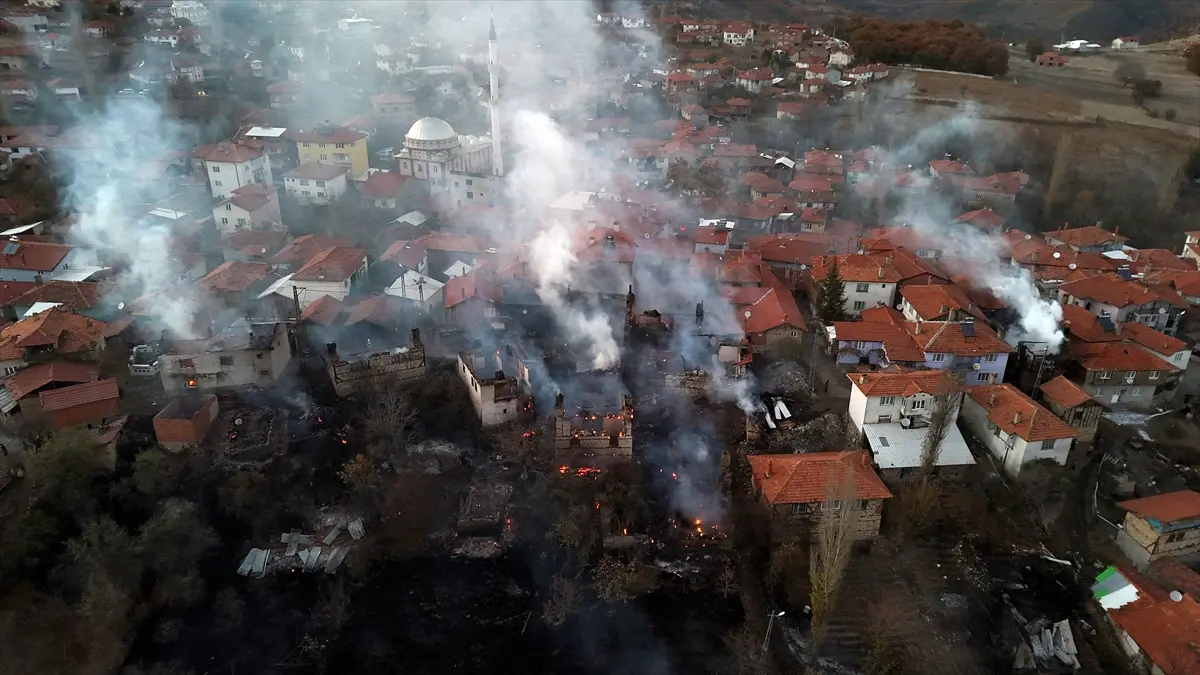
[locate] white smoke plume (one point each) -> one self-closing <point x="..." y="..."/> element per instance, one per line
<point x="109" y="178"/>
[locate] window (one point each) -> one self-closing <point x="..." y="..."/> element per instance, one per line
<point x="982" y="377"/>
<point x="322" y="146"/>
<point x="339" y="145"/>
<point x="455" y="183"/>
<point x="990" y="358"/>
<point x="216" y="169"/>
<point x="241" y="221"/>
<point x="1154" y="374"/>
<point x="470" y="182"/>
<point x="1176" y="536"/>
<point x="489" y="312"/>
<point x="306" y="193"/>
<point x="307" y="145"/>
<point x="320" y="183"/>
<point x="9" y="370"/>
<point x="860" y="305"/>
<point x="320" y="194"/>
<point x="228" y="207"/>
<point x="1048" y="444"/>
<point x="224" y="221"/>
<point x="217" y="183"/>
<point x="799" y="509"/>
<point x="887" y="400"/>
<point x="470" y="195"/>
<point x="324" y="157"/>
<point x="226" y="360"/>
<point x="937" y="358"/>
<point x="1104" y="375"/>
<point x="304" y="181"/>
<point x="862" y="288"/>
<point x="187" y="363"/>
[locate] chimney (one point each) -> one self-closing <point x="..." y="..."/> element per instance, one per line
<point x="558" y="401"/>
<point x="770" y="469"/>
<point x="862" y="379"/>
<point x="1033" y="256"/>
<point x="416" y="337"/>
<point x="887" y="259"/>
<point x="945" y="308"/>
<point x="865" y="461"/>
<point x="37" y="278"/>
<point x="699" y="313"/>
<point x="499" y="375"/>
<point x="992" y="399"/>
<point x="1017" y="417"/>
<point x="881" y="271"/>
<point x="331" y="348"/>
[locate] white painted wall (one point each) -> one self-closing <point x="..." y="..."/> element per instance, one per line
<point x="997" y="441"/>
<point x="875" y="293"/>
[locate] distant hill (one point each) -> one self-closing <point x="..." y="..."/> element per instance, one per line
<point x="1017" y="20"/>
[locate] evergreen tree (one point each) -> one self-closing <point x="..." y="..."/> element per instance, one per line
<point x="831" y="296"/>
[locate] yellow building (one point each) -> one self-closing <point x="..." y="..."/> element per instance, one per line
<point x="330" y="144"/>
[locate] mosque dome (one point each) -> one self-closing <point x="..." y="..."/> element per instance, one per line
<point x="431" y="130"/>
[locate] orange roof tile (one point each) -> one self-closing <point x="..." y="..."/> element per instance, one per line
<point x="65" y="330"/>
<point x="252" y="197"/>
<point x="35" y="256"/>
<point x="302" y="249"/>
<point x="455" y="243"/>
<point x="774" y="308"/>
<point x="948" y="338"/>
<point x="904" y="383"/>
<point x="815" y="477"/>
<point x="1065" y="393"/>
<point x="1083" y="326"/>
<point x="323" y="311"/>
<point x="1088" y="236"/>
<point x="332" y="264"/>
<point x="78" y="394"/>
<point x="381" y="310"/>
<point x="1152" y="339"/>
<point x="336" y="135"/>
<point x="11" y="290"/>
<point x="228" y="152"/>
<point x="1166" y="508"/>
<point x="1167" y="631"/>
<point x="888" y="315"/>
<point x="256" y="242"/>
<point x="472" y="284"/>
<point x="29" y="380"/>
<point x="381" y="185"/>
<point x="985" y="218"/>
<point x="1119" y="356"/>
<point x="234" y="276"/>
<point x="935" y="301"/>
<point x="1014" y="412"/>
<point x="898" y="345"/>
<point x="67" y="294"/>
<point x="1111" y="289"/>
<point x="1149" y="259"/>
<point x="408" y="254"/>
<point x="856" y="267"/>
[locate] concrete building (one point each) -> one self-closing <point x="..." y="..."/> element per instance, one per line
<point x="231" y="165"/>
<point x="1118" y="374"/>
<point x="868" y="282"/>
<point x="1123" y="301"/>
<point x="243" y="354"/>
<point x="498" y="385"/>
<point x="1161" y="526"/>
<point x="432" y="150"/>
<point x="1073" y="405"/>
<point x="316" y="183"/>
<point x="1014" y="428"/>
<point x="250" y="207"/>
<point x="185" y="421"/>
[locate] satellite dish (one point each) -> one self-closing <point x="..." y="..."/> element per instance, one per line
<point x="120" y="305"/>
<point x="1176" y="596"/>
<point x="746" y="314"/>
<point x="1162" y="310"/>
<point x="974" y="366"/>
<point x="1057" y="255"/>
<point x="1028" y="237"/>
<point x="900" y="306"/>
<point x="647" y="235"/>
<point x="1072" y="266"/>
<point x="906" y="422"/>
<point x="238" y="422"/>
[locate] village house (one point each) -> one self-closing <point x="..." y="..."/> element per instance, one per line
<point x="1158" y="625"/>
<point x="230" y="166"/>
<point x="873" y="342"/>
<point x="253" y="245"/>
<point x="498" y="385"/>
<point x="19" y="392"/>
<point x="250" y="207"/>
<point x="283" y="94"/>
<point x="299" y="251"/>
<point x="385" y="189"/>
<point x="1126" y="42"/>
<point x="1170" y="349"/>
<point x="64" y="89"/>
<point x="1122" y="301"/>
<point x="392" y="106"/>
<point x="333" y="272"/>
<point x="1090" y="239"/>
<point x="937" y="302"/>
<point x="1161" y="526"/>
<point x="738" y="34"/>
<point x="312" y="183"/>
<point x="53" y="332"/>
<point x="868" y="282"/>
<point x="893" y="412"/>
<point x="185" y="421"/>
<point x="86" y="403"/>
<point x="985" y="219"/>
<point x="754" y="81"/>
<point x="235" y="284"/>
<point x="1118" y="374"/>
<point x="330" y="144"/>
<point x="1016" y="429"/>
<point x="82" y="297"/>
<point x="1052" y="59"/>
<point x="595" y="427"/>
<point x="967" y="348"/>
<point x="799" y="489"/>
<point x="186" y="70"/>
<point x="244" y="354"/>
<point x="469" y="302"/>
<point x="374" y="370"/>
<point x="1073" y="405"/>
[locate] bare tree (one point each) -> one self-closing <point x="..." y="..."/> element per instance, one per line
<point x="745" y="651"/>
<point x="615" y="580"/>
<point x="1128" y="72"/>
<point x="832" y="543"/>
<point x="563" y="601"/>
<point x="388" y="422"/>
<point x="942" y="417"/>
<point x="333" y="606"/>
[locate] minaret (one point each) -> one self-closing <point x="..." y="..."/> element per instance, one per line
<point x="494" y="103"/>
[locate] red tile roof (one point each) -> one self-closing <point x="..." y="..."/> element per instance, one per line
<point x="381" y="185"/>
<point x="65" y="330"/>
<point x="454" y="243"/>
<point x="904" y="383"/>
<point x="949" y="166"/>
<point x="467" y="286"/>
<point x="1149" y="259"/>
<point x="1014" y="412"/>
<point x="35" y="256"/>
<point x="1152" y="339"/>
<point x="29" y="380"/>
<point x="256" y="242"/>
<point x="228" y="152"/>
<point x="815" y="477"/>
<point x="11" y="290"/>
<point x="1119" y="356"/>
<point x="234" y="277"/>
<point x="304" y="248"/>
<point x="381" y="310"/>
<point x="880" y="314"/>
<point x="408" y="254"/>
<point x="949" y="338"/>
<point x="1083" y="326"/>
<point x="1064" y="393"/>
<point x="316" y="171"/>
<point x="856" y="267"/>
<point x="1167" y="631"/>
<point x="1088" y="236"/>
<point x="984" y="218"/>
<point x="793" y="248"/>
<point x="1111" y="289"/>
<point x="323" y="311"/>
<point x="774" y="308"/>
<point x="1166" y="508"/>
<point x="715" y="236"/>
<point x="252" y="197"/>
<point x="898" y="345"/>
<point x="333" y="264"/>
<point x="67" y="294"/>
<point x="78" y="394"/>
<point x="935" y="301"/>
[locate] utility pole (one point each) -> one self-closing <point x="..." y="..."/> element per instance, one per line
<point x="770" y="622"/>
<point x="812" y="366"/>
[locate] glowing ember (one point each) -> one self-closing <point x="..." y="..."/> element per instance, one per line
<point x="697" y="521"/>
<point x="625" y="531"/>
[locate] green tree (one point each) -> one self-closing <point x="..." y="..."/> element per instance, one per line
<point x="1034" y="48"/>
<point x="63" y="473"/>
<point x="831" y="296"/>
<point x="173" y="541"/>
